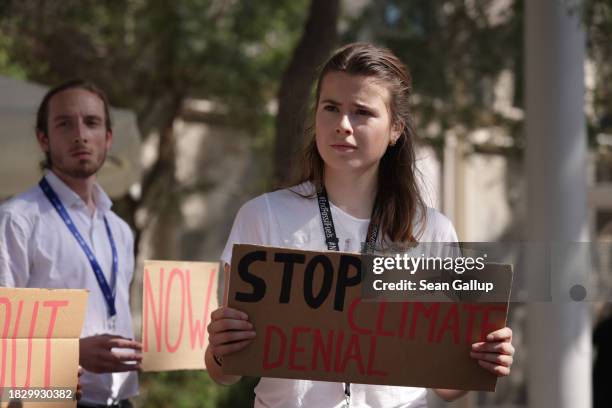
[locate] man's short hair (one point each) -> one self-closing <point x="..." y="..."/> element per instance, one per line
<point x="42" y="116"/>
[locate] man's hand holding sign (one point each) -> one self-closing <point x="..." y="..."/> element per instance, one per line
<point x="312" y="323"/>
<point x="98" y="355"/>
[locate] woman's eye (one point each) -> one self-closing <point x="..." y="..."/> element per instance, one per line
<point x="364" y="112"/>
<point x="330" y="108"/>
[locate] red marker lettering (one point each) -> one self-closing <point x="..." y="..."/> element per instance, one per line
<point x="198" y="328"/>
<point x="294" y="349"/>
<point x="157" y="316"/>
<point x="351" y="318"/>
<point x="353" y="352"/>
<point x="173" y="347"/>
<point x="380" y="318"/>
<point x="325" y="350"/>
<point x="450" y="323"/>
<point x="488" y="326"/>
<point x="338" y="362"/>
<point x="54" y="305"/>
<point x="469" y="337"/>
<point x="7" y="322"/>
<point x="404" y="318"/>
<point x="371" y="357"/>
<point x="267" y="363"/>
<point x="430" y="312"/>
<point x="15" y="330"/>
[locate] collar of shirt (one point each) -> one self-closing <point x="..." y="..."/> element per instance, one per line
<point x="69" y="198"/>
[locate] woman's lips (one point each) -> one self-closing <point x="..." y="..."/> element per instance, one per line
<point x="343" y="147"/>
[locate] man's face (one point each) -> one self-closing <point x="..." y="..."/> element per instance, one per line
<point x="77" y="139"/>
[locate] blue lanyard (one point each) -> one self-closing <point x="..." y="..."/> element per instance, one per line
<point x="108" y="293"/>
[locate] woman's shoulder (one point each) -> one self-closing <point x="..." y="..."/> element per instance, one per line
<point x="289" y="199"/>
<point x="254" y="206"/>
<point x="299" y="194"/>
<point x="437" y="227"/>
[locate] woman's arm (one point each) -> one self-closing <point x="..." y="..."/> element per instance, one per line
<point x="216" y="372"/>
<point x="495" y="354"/>
<point x="229" y="330"/>
<point x="449" y="395"/>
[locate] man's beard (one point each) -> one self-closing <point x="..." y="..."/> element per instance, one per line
<point x="80" y="171"/>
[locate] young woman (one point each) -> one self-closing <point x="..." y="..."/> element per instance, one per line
<point x="360" y="163"/>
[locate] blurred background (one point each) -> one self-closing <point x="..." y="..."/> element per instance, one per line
<point x="512" y="101"/>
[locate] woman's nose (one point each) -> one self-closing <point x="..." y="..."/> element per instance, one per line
<point x="344" y="126"/>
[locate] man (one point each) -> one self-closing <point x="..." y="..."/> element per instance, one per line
<point x="62" y="234"/>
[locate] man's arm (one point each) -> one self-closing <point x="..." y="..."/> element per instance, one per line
<point x="14" y="257"/>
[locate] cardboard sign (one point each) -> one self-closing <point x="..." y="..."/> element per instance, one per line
<point x="39" y="330"/>
<point x="311" y="323"/>
<point x="178" y="298"/>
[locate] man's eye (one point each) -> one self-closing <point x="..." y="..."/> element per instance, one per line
<point x="364" y="112"/>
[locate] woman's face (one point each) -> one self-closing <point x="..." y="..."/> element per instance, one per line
<point x="353" y="122"/>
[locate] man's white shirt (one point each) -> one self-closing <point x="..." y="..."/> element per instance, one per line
<point x="37" y="250"/>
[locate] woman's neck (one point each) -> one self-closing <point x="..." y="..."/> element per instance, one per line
<point x="352" y="192"/>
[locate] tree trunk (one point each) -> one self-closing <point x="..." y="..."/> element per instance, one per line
<point x="317" y="41"/>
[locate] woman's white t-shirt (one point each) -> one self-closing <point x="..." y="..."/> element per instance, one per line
<point x="285" y="218"/>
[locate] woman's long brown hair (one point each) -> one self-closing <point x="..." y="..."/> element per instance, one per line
<point x="399" y="207"/>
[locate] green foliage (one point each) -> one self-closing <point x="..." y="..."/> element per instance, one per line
<point x="192" y="389"/>
<point x="140" y="51"/>
<point x="7" y="66"/>
<point x="184" y="389"/>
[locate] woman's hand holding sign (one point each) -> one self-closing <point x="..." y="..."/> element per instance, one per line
<point x="229" y="331"/>
<point x="495" y="354"/>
